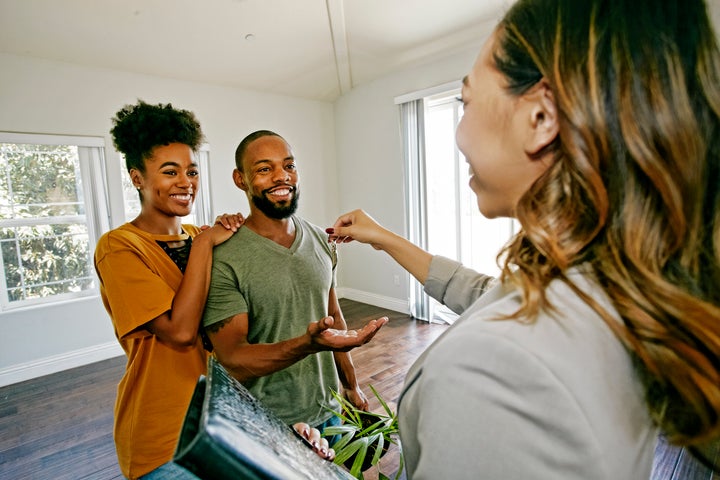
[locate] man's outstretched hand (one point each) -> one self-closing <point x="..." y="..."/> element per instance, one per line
<point x="324" y="337"/>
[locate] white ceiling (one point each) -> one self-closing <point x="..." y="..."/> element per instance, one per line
<point x="316" y="49"/>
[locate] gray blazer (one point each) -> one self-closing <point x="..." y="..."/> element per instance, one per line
<point x="502" y="399"/>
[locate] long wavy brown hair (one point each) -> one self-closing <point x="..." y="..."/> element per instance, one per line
<point x="634" y="190"/>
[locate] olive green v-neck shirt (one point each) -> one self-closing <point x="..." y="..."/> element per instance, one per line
<point x="282" y="290"/>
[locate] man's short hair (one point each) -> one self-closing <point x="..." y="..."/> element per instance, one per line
<point x="240" y="150"/>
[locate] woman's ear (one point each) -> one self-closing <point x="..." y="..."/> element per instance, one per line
<point x="136" y="178"/>
<point x="544" y="126"/>
<point x="239" y="180"/>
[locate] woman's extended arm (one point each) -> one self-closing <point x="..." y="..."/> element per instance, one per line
<point x="358" y="225"/>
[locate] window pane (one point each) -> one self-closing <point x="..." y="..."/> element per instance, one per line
<point x="440" y="180"/>
<point x="53" y="260"/>
<point x="41" y="181"/>
<point x="456" y="228"/>
<point x="10" y="256"/>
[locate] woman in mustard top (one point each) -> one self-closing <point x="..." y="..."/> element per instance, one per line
<point x="154" y="274"/>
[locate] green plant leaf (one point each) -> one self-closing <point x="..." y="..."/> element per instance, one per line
<point x="356" y="470"/>
<point x="401" y="465"/>
<point x="348" y="451"/>
<point x="378" y="450"/>
<point x="361" y="432"/>
<point x="385" y="406"/>
<point x="344" y="440"/>
<point x="339" y="430"/>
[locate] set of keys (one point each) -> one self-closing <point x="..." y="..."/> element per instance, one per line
<point x="333" y="250"/>
<point x="333" y="240"/>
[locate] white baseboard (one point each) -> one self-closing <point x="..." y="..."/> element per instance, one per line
<point x="381" y="301"/>
<point x="57" y="363"/>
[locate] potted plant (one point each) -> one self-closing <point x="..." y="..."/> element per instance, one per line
<point x="365" y="436"/>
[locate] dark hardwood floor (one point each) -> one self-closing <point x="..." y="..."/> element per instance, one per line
<point x="60" y="426"/>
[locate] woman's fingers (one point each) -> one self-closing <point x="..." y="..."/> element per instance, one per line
<point x="231" y="221"/>
<point x="314" y="440"/>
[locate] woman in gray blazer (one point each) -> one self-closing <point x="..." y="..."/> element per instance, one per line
<point x="597" y="125"/>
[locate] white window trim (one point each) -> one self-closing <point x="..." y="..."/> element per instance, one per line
<point x="428" y="92"/>
<point x="51" y="139"/>
<point x="203" y="204"/>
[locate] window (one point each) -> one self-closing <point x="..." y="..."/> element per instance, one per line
<point x="456" y="228"/>
<point x="52" y="210"/>
<point x="442" y="211"/>
<point x="200" y="214"/>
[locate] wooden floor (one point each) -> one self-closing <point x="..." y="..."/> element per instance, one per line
<point x="60" y="426"/>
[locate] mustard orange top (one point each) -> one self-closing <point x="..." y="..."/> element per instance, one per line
<point x="138" y="281"/>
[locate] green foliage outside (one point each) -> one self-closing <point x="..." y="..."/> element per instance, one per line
<point x="43" y="236"/>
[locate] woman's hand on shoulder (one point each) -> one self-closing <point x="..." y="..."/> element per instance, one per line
<point x="225" y="226"/>
<point x="231" y="221"/>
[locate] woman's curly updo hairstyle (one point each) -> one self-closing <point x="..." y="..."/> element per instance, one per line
<point x="139" y="128"/>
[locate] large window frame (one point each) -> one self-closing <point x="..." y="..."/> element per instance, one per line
<point x="93" y="215"/>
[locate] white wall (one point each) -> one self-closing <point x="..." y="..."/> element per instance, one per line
<point x="40" y="96"/>
<point x="349" y="156"/>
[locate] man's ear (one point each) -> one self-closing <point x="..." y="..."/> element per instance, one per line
<point x="239" y="180"/>
<point x="544" y="126"/>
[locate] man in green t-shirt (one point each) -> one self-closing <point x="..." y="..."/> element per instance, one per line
<point x="272" y="313"/>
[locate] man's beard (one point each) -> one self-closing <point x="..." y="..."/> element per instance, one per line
<point x="274" y="210"/>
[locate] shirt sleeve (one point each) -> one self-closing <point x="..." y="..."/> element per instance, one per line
<point x="224" y="297"/>
<point x="455" y="286"/>
<point x="135" y="293"/>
